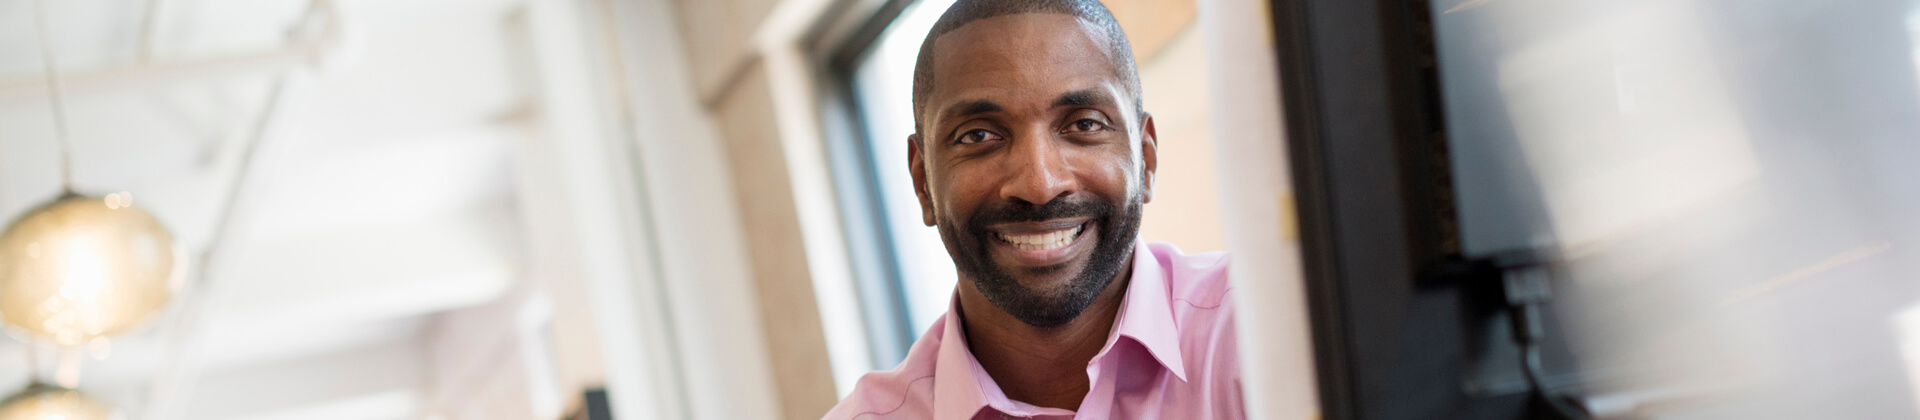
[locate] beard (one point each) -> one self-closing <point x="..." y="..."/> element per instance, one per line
<point x="1045" y="308"/>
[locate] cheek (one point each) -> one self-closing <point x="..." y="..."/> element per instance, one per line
<point x="960" y="189"/>
<point x="1108" y="173"/>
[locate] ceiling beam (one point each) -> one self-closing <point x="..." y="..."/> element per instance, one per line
<point x="304" y="49"/>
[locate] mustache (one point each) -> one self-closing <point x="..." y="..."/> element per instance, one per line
<point x="1021" y="211"/>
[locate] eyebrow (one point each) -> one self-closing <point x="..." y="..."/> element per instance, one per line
<point x="1084" y="97"/>
<point x="974" y="107"/>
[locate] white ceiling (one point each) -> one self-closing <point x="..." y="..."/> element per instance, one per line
<point x="389" y="198"/>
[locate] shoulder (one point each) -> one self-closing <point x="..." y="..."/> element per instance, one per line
<point x="904" y="392"/>
<point x="1200" y="296"/>
<point x="887" y="395"/>
<point x="1194" y="281"/>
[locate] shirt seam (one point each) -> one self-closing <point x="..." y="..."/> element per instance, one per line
<point x="903" y="399"/>
<point x="1217" y="302"/>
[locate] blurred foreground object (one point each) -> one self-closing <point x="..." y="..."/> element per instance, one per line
<point x="83" y="267"/>
<point x="1725" y="193"/>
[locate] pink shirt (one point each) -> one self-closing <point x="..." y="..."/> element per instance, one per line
<point x="1171" y="355"/>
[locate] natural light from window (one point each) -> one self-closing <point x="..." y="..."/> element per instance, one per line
<point x="884" y="83"/>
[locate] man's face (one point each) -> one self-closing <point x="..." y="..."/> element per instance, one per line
<point x="1032" y="162"/>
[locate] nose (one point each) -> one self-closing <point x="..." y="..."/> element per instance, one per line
<point x="1037" y="170"/>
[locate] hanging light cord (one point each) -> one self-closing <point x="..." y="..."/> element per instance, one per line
<point x="54" y="96"/>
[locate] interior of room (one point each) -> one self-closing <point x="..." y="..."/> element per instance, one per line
<point x="702" y="209"/>
<point x="514" y="208"/>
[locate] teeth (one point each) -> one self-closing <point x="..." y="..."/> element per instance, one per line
<point x="1044" y="241"/>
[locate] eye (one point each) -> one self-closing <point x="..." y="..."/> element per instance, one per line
<point x="1087" y="124"/>
<point x="976" y="136"/>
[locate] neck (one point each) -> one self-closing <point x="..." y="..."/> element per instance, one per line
<point x="1046" y="367"/>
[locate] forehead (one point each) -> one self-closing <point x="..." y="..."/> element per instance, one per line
<point x="1018" y="55"/>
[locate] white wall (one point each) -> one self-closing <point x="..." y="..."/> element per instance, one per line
<point x="1276" y="347"/>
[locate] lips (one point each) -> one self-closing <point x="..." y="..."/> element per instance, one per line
<point x="1020" y="237"/>
<point x="1043" y="241"/>
<point x="1036" y="245"/>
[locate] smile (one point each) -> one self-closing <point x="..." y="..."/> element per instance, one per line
<point x="1043" y="241"/>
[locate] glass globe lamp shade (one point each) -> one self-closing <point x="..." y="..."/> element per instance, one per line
<point x="83" y="267"/>
<point x="46" y="402"/>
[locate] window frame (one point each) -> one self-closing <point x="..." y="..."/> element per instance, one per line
<point x="835" y="50"/>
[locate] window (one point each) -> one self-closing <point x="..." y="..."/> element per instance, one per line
<point x="902" y="270"/>
<point x="883" y="84"/>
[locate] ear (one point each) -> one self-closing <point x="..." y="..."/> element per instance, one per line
<point x="918" y="167"/>
<point x="1149" y="155"/>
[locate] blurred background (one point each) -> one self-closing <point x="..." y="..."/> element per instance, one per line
<point x="638" y="209"/>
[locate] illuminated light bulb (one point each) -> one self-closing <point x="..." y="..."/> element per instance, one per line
<point x="83" y="267"/>
<point x="47" y="402"/>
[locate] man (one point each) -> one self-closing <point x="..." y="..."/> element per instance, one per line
<point x="1033" y="156"/>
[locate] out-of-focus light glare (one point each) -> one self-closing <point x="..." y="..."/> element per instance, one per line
<point x="100" y="348"/>
<point x="1788" y="279"/>
<point x="47" y="402"/>
<point x="86" y="273"/>
<point x="1626" y="123"/>
<point x="1906" y="329"/>
<point x="1469" y="4"/>
<point x="1913" y="33"/>
<point x="85" y="267"/>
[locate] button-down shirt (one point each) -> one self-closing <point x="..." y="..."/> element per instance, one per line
<point x="1171" y="354"/>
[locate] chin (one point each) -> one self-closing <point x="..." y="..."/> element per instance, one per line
<point x="1049" y="279"/>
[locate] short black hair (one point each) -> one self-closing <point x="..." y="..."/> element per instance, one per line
<point x="964" y="12"/>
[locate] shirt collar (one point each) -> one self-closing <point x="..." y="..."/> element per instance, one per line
<point x="1146" y="315"/>
<point x="958" y="393"/>
<point x="962" y="387"/>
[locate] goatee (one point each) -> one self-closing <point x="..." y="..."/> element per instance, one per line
<point x="1117" y="229"/>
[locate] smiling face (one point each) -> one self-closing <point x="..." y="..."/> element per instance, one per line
<point x="1033" y="161"/>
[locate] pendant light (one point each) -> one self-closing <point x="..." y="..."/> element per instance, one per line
<point x="81" y="267"/>
<point x="84" y="267"/>
<point x="45" y="402"/>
